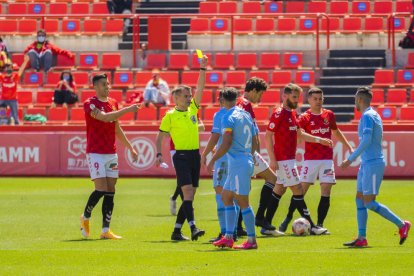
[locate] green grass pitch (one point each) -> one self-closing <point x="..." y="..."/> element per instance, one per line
<point x="39" y="233"/>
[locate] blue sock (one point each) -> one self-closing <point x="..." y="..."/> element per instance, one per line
<point x="230" y="212"/>
<point x="385" y="212"/>
<point x="236" y="218"/>
<point x="220" y="214"/>
<point x="248" y="218"/>
<point x="362" y="217"/>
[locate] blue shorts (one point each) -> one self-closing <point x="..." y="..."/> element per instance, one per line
<point x="370" y="177"/>
<point x="220" y="173"/>
<point x="239" y="174"/>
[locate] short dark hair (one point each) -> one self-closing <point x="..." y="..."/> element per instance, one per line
<point x="180" y="88"/>
<point x="229" y="94"/>
<point x="70" y="76"/>
<point x="289" y="88"/>
<point x="365" y="93"/>
<point x="98" y="77"/>
<point x="255" y="83"/>
<point x="315" y="90"/>
<point x="41" y="31"/>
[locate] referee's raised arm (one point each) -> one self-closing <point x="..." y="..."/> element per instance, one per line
<point x="201" y="81"/>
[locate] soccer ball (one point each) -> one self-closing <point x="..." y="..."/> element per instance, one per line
<point x="301" y="227"/>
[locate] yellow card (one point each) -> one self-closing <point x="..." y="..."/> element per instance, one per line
<point x="199" y="53"/>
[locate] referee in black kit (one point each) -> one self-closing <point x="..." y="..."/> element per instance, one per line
<point x="181" y="124"/>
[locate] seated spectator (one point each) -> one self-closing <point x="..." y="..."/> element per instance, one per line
<point x="65" y="92"/>
<point x="41" y="52"/>
<point x="156" y="91"/>
<point x="4" y="55"/>
<point x="121" y="7"/>
<point x="8" y="83"/>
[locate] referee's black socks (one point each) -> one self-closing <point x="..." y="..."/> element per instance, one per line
<point x="189" y="212"/>
<point x="180" y="219"/>
<point x="107" y="208"/>
<point x="92" y="201"/>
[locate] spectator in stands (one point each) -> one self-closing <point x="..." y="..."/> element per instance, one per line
<point x="65" y="92"/>
<point x="156" y="91"/>
<point x="41" y="52"/>
<point x="8" y="84"/>
<point x="121" y="7"/>
<point x="143" y="56"/>
<point x="4" y="55"/>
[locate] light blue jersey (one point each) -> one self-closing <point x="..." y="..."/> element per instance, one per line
<point x="240" y="160"/>
<point x="372" y="167"/>
<point x="220" y="166"/>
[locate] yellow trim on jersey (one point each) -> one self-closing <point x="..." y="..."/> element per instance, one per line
<point x="228" y="129"/>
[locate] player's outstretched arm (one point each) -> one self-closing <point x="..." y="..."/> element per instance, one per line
<point x="341" y="138"/>
<point x="114" y="115"/>
<point x="212" y="142"/>
<point x="160" y="137"/>
<point x="314" y="139"/>
<point x="120" y="134"/>
<point x="201" y="81"/>
<point x="269" y="147"/>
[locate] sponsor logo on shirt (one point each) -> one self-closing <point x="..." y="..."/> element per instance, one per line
<point x="320" y="130"/>
<point x="271" y="125"/>
<point x="9" y="85"/>
<point x="312" y="123"/>
<point x="193" y="119"/>
<point x="326" y="121"/>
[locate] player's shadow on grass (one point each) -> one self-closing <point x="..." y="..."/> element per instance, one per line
<point x="166" y="241"/>
<point x="81" y="240"/>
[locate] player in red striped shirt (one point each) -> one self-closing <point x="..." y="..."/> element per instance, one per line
<point x="101" y="114"/>
<point x="318" y="158"/>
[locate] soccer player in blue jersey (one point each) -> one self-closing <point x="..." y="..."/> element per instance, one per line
<point x="237" y="131"/>
<point x="371" y="170"/>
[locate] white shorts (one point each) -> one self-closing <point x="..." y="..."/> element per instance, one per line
<point x="312" y="169"/>
<point x="287" y="174"/>
<point x="102" y="165"/>
<point x="260" y="165"/>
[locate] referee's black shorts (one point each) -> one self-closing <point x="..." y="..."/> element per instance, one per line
<point x="187" y="167"/>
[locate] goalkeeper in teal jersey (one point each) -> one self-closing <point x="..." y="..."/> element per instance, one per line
<point x="371" y="170"/>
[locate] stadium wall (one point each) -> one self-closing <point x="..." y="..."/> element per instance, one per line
<point x="62" y="153"/>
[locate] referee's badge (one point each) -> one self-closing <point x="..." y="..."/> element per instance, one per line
<point x="193" y="119"/>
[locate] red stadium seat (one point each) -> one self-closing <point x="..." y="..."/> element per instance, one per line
<point x="133" y="96"/>
<point x="292" y="60"/>
<point x="407" y="113"/>
<point x="317" y="7"/>
<point x="18" y="58"/>
<point x="36" y="110"/>
<point x="357" y="115"/>
<point x="111" y="61"/>
<point x="88" y="61"/>
<point x="179" y="60"/>
<point x="114" y="27"/>
<point x="388" y="113"/>
<point x="307" y="25"/>
<point x="333" y="24"/>
<point x="163" y="109"/>
<point x="224" y="61"/>
<point x="383" y="6"/>
<point x="147" y="114"/>
<point x="286" y="25"/>
<point x="243" y="25"/>
<point x="214" y="78"/>
<point x="295" y="6"/>
<point x="92" y="27"/>
<point x="33" y="79"/>
<point x="99" y="8"/>
<point x="27" y="26"/>
<point x="261" y="113"/>
<point x="339" y="7"/>
<point x="260" y="74"/>
<point x="44" y="98"/>
<point x="70" y="26"/>
<point x="377" y="97"/>
<point x="207" y="97"/>
<point x="251" y="7"/>
<point x="361" y="7"/>
<point x="399" y="24"/>
<point x="269" y="60"/>
<point x="81" y="79"/>
<point x="273" y="7"/>
<point x="374" y="24"/>
<point x="352" y="25"/>
<point x="265" y="25"/>
<point x="198" y="25"/>
<point x="58" y="114"/>
<point x="53" y="77"/>
<point x="246" y="61"/>
<point x="17" y="8"/>
<point x="127" y="118"/>
<point x="410" y="60"/>
<point x="80" y="8"/>
<point x="384" y="78"/>
<point x="209" y="113"/>
<point x="396" y="97"/>
<point x="196" y="63"/>
<point x="64" y="63"/>
<point x="86" y="94"/>
<point x="122" y="79"/>
<point x="58" y="8"/>
<point x="236" y="78"/>
<point x="25" y="98"/>
<point x="36" y="8"/>
<point x="219" y="25"/>
<point x="77" y="114"/>
<point x="8" y="26"/>
<point x="305" y="78"/>
<point x="227" y="7"/>
<point x="171" y="77"/>
<point x="156" y="61"/>
<point x="116" y="95"/>
<point x="142" y="78"/>
<point x="404" y="6"/>
<point x="405" y="78"/>
<point x="189" y="78"/>
<point x="51" y="26"/>
<point x="208" y="7"/>
<point x="281" y="78"/>
<point x="270" y="97"/>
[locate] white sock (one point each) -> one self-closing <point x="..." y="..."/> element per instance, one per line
<point x="251" y="239"/>
<point x="105" y="229"/>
